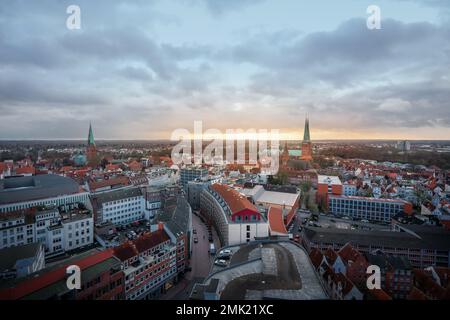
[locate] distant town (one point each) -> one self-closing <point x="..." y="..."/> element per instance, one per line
<point x="224" y="158"/>
<point x="140" y="227"/>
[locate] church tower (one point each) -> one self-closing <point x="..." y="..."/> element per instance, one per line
<point x="306" y="144"/>
<point x="285" y="155"/>
<point x="91" y="150"/>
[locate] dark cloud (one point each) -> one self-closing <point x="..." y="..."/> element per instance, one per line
<point x="432" y="3"/>
<point x="349" y="53"/>
<point x="218" y="7"/>
<point x="130" y="81"/>
<point x="26" y="89"/>
<point x="138" y="74"/>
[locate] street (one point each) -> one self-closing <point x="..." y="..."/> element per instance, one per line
<point x="200" y="262"/>
<point x="201" y="259"/>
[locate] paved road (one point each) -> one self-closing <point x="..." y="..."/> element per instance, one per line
<point x="201" y="262"/>
<point x="201" y="259"/>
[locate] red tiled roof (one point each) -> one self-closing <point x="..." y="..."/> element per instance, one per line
<point x="348" y="253"/>
<point x="112" y="167"/>
<point x="276" y="221"/>
<point x="336" y="278"/>
<point x="168" y="160"/>
<point x="416" y="294"/>
<point x="425" y="283"/>
<point x="94" y="185"/>
<point x="316" y="257"/>
<point x="31" y="285"/>
<point x="134" y="165"/>
<point x="150" y="240"/>
<point x="379" y="294"/>
<point x="331" y="256"/>
<point x="26" y="170"/>
<point x="234" y="199"/>
<point x="346" y="284"/>
<point x="444" y="275"/>
<point x="144" y="242"/>
<point x="392" y="175"/>
<point x="125" y="251"/>
<point x="66" y="168"/>
<point x="3" y="167"/>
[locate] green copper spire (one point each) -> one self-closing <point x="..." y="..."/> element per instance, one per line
<point x="306" y="136"/>
<point x="91" y="141"/>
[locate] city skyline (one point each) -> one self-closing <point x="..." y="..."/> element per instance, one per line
<point x="141" y="70"/>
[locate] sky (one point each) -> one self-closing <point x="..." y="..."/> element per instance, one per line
<point x="142" y="69"/>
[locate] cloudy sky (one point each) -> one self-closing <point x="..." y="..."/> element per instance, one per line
<point x="140" y="69"/>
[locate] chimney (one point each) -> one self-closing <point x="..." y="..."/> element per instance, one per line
<point x="160" y="226"/>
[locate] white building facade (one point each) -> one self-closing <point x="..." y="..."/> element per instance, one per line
<point x="121" y="207"/>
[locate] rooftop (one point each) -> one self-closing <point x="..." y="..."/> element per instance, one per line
<point x="276" y="221"/>
<point x="115" y="195"/>
<point x="275" y="270"/>
<point x="150" y="240"/>
<point x="259" y="194"/>
<point x="438" y="240"/>
<point x="51" y="281"/>
<point x="369" y="199"/>
<point x="177" y="215"/>
<point x="143" y="243"/>
<point x="328" y="179"/>
<point x="35" y="187"/>
<point x="235" y="201"/>
<point x="9" y="256"/>
<point x="111" y="182"/>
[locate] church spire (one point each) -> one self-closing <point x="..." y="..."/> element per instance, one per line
<point x="91" y="141"/>
<point x="306" y="136"/>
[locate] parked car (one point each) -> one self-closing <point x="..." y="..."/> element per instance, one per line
<point x="220" y="263"/>
<point x="225" y="251"/>
<point x="224" y="256"/>
<point x="195" y="240"/>
<point x="194" y="231"/>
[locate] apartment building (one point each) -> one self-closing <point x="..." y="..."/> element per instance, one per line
<point x="234" y="217"/>
<point x="396" y="273"/>
<point x="190" y="174"/>
<point x="41" y="190"/>
<point x="17" y="262"/>
<point x="149" y="264"/>
<point x="121" y="207"/>
<point x="102" y="279"/>
<point x="59" y="229"/>
<point x="373" y="209"/>
<point x="422" y="246"/>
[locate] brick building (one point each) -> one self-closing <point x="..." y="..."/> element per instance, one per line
<point x="101" y="279"/>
